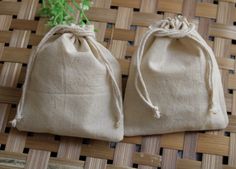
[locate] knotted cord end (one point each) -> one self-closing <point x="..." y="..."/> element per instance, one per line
<point x="13" y="122"/>
<point x="212" y="110"/>
<point x="117" y="124"/>
<point x="156" y="111"/>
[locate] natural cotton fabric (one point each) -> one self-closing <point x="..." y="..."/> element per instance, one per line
<point x="72" y="87"/>
<point x="174" y="83"/>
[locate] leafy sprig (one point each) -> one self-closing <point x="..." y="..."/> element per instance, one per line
<point x="61" y="12"/>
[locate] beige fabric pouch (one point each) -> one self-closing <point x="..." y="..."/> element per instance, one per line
<point x="174" y="83"/>
<point x="72" y="87"/>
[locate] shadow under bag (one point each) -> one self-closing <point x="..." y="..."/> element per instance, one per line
<point x="72" y="87"/>
<point x="174" y="83"/>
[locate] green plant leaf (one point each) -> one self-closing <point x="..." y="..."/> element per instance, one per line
<point x="60" y="12"/>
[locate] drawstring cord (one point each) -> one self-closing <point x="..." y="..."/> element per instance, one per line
<point x="48" y="35"/>
<point x="77" y="31"/>
<point x="145" y="97"/>
<point x="174" y="28"/>
<point x="115" y="86"/>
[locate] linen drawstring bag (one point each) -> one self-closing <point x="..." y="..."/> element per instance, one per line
<point x="174" y="83"/>
<point x="72" y="87"/>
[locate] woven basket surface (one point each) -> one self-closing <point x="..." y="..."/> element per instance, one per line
<point x="121" y="24"/>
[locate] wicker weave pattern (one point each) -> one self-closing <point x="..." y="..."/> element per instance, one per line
<point x="121" y="24"/>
